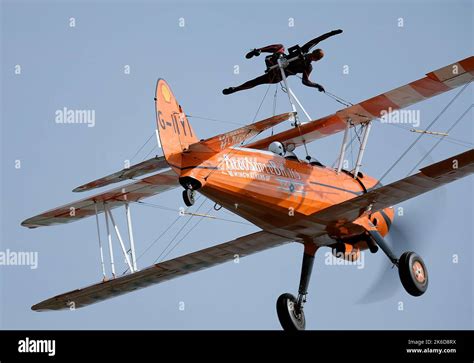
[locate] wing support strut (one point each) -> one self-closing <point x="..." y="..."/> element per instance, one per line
<point x="102" y="264"/>
<point x="342" y="153"/>
<point x="130" y="255"/>
<point x="363" y="144"/>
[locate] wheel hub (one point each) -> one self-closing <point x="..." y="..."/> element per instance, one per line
<point x="419" y="272"/>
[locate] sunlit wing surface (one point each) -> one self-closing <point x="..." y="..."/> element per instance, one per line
<point x="132" y="192"/>
<point x="146" y="167"/>
<point x="429" y="178"/>
<point x="163" y="271"/>
<point x="435" y="83"/>
<point x="231" y="138"/>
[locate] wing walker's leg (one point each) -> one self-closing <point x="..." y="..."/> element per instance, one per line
<point x="130" y="235"/>
<point x="109" y="236"/>
<point x="100" y="244"/>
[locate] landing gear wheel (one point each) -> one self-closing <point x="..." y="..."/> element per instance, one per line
<point x="291" y="318"/>
<point x="413" y="273"/>
<point x="188" y="197"/>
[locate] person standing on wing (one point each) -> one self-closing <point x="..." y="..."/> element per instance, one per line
<point x="302" y="65"/>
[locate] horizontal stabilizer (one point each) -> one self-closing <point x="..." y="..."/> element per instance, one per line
<point x="163" y="271"/>
<point x="146" y="167"/>
<point x="231" y="138"/>
<point x="133" y="192"/>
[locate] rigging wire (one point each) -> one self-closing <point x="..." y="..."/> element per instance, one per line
<point x="338" y="99"/>
<point x="149" y="152"/>
<point x="261" y="103"/>
<point x="189" y="213"/>
<point x="216" y="120"/>
<point x="445" y="138"/>
<point x="141" y="148"/>
<point x="177" y="233"/>
<point x="441" y="139"/>
<point x="154" y="241"/>
<point x="421" y="135"/>
<point x="186" y="234"/>
<point x="150" y="245"/>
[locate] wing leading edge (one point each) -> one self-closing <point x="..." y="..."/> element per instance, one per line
<point x="133" y="192"/>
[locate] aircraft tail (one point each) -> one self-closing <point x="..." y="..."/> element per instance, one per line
<point x="175" y="131"/>
<point x="181" y="147"/>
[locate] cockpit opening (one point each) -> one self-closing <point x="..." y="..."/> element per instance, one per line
<point x="288" y="153"/>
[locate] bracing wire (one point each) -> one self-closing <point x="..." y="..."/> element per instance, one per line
<point x="441" y="139"/>
<point x="141" y="148"/>
<point x="421" y="135"/>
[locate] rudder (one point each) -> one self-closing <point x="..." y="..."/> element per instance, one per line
<point x="175" y="131"/>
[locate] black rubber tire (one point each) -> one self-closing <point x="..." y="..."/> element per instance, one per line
<point x="289" y="320"/>
<point x="413" y="273"/>
<point x="188" y="197"/>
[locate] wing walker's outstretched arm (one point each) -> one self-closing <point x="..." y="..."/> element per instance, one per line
<point x="307" y="47"/>
<point x="307" y="82"/>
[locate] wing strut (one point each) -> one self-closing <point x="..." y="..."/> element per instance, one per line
<point x="129" y="255"/>
<point x="342" y="153"/>
<point x="362" y="146"/>
<point x="102" y="264"/>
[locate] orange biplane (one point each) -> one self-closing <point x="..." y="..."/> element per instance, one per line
<point x="263" y="181"/>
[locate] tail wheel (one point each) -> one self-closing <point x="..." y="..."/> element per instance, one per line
<point x="413" y="273"/>
<point x="290" y="316"/>
<point x="188" y="197"/>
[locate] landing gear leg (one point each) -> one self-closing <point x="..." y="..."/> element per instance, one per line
<point x="290" y="309"/>
<point x="411" y="268"/>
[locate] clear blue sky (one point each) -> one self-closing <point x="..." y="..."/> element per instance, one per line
<point x="82" y="68"/>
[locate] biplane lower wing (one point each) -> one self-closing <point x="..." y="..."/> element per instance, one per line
<point x="155" y="274"/>
<point x="133" y="192"/>
<point x="429" y="178"/>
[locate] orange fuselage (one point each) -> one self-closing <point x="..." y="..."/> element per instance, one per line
<point x="281" y="195"/>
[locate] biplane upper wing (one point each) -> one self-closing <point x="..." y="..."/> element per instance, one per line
<point x="133" y="192"/>
<point x="429" y="178"/>
<point x="163" y="271"/>
<point x="231" y="138"/>
<point x="435" y="83"/>
<point x="145" y="167"/>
